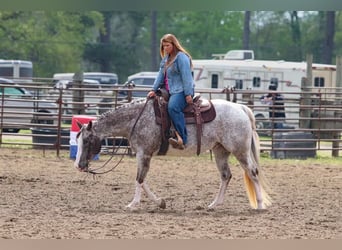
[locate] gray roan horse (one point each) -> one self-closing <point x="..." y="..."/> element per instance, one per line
<point x="231" y="132"/>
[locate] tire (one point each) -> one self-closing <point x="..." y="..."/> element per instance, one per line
<point x="41" y="120"/>
<point x="10" y="130"/>
<point x="260" y="124"/>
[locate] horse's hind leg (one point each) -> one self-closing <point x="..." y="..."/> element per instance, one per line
<point x="253" y="185"/>
<point x="221" y="158"/>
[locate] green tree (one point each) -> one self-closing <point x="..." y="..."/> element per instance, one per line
<point x="208" y="32"/>
<point x="127" y="42"/>
<point x="53" y="41"/>
<point x="276" y="35"/>
<point x="118" y="52"/>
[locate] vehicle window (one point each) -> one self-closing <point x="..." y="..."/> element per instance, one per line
<point x="148" y="82"/>
<point x="102" y="79"/>
<point x="319" y="81"/>
<point x="138" y="81"/>
<point x="25" y="72"/>
<point x="239" y="84"/>
<point x="107" y="80"/>
<point x="256" y="82"/>
<point x="13" y="91"/>
<point x="6" y="71"/>
<point x="143" y="81"/>
<point x="214" y="81"/>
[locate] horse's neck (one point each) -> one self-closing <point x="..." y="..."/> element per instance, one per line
<point x="119" y="122"/>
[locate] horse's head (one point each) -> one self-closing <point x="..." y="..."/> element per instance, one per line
<point x="88" y="145"/>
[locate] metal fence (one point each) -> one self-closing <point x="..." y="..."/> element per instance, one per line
<point x="39" y="115"/>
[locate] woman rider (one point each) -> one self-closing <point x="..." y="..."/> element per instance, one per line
<point x="176" y="74"/>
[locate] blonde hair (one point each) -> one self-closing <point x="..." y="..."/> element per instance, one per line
<point x="170" y="38"/>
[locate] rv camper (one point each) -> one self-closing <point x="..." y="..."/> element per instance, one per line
<point x="233" y="70"/>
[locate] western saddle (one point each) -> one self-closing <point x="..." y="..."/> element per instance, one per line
<point x="201" y="111"/>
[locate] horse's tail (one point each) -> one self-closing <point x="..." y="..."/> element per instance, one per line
<point x="255" y="137"/>
<point x="267" y="201"/>
<point x="255" y="155"/>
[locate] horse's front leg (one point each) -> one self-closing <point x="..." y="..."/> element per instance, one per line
<point x="160" y="202"/>
<point x="137" y="197"/>
<point x="143" y="168"/>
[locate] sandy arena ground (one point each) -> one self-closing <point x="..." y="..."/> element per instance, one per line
<point x="45" y="197"/>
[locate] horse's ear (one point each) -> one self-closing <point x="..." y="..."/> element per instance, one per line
<point x="90" y="125"/>
<point x="80" y="125"/>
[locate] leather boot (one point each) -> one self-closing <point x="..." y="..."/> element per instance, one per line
<point x="178" y="144"/>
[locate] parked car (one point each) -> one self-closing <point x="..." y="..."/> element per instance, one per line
<point x="137" y="86"/>
<point x="142" y="81"/>
<point x="106" y="80"/>
<point x="20" y="108"/>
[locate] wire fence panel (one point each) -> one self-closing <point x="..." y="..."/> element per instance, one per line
<point x="38" y="114"/>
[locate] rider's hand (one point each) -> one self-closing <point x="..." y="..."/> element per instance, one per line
<point x="188" y="99"/>
<point x="151" y="94"/>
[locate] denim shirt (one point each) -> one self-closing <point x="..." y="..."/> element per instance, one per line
<point x="179" y="75"/>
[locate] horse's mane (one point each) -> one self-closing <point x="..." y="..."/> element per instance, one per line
<point x="121" y="107"/>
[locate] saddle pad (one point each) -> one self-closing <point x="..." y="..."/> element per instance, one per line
<point x="208" y="113"/>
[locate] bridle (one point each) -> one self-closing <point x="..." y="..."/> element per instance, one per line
<point x="95" y="171"/>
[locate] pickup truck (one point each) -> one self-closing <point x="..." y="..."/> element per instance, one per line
<point x="19" y="108"/>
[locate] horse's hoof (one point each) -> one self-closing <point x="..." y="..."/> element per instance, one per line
<point x="210" y="209"/>
<point x="162" y="204"/>
<point x="131" y="208"/>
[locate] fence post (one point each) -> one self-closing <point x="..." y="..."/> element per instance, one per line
<point x="2" y="112"/>
<point x="305" y="100"/>
<point x="338" y="102"/>
<point x="78" y="95"/>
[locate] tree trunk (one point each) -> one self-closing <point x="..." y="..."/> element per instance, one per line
<point x="154" y="43"/>
<point x="246" y="30"/>
<point x="296" y="36"/>
<point x="105" y="65"/>
<point x="328" y="42"/>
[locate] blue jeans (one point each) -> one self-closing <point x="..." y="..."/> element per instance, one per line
<point x="176" y="105"/>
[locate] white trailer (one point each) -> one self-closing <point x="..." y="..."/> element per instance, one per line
<point x="257" y="75"/>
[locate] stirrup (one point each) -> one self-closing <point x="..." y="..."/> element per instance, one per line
<point x="176" y="143"/>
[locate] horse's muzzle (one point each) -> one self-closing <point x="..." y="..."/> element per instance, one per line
<point x="83" y="167"/>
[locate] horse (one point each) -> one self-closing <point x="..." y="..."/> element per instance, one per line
<point x="233" y="131"/>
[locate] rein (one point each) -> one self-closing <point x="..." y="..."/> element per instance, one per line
<point x="136" y="121"/>
<point x="94" y="171"/>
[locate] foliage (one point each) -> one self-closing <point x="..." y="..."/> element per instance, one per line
<point x="53" y="41"/>
<point x="61" y="41"/>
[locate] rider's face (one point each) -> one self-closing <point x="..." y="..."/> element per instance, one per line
<point x="168" y="47"/>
